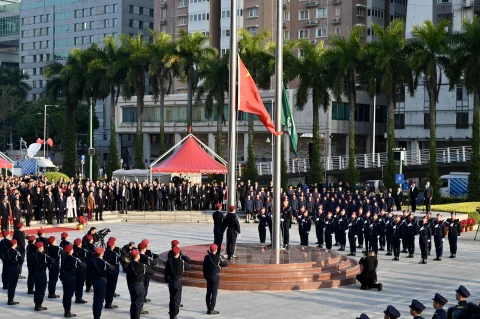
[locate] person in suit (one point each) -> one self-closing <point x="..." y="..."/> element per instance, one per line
<point x="100" y="204"/>
<point x="5" y="213"/>
<point x="124" y="198"/>
<point x="427" y="196"/>
<point x="233" y="231"/>
<point x="413" y="197"/>
<point x="398" y="197"/>
<point x="60" y="208"/>
<point x="188" y="196"/>
<point x="49" y="207"/>
<point x="91" y="205"/>
<point x="28" y="209"/>
<point x="171" y="194"/>
<point x="16" y="213"/>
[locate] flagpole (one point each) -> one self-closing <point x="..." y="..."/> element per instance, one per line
<point x="278" y="127"/>
<point x="232" y="114"/>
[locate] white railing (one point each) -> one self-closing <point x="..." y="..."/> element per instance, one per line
<point x="460" y="154"/>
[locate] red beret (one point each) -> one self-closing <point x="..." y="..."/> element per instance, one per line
<point x="112" y="238"/>
<point x="13" y="242"/>
<point x="31" y="238"/>
<point x="39" y="244"/>
<point x="90" y="237"/>
<point x="146" y="242"/>
<point x="77" y="241"/>
<point x="68" y="248"/>
<point x="40" y="231"/>
<point x="213" y="247"/>
<point x="51" y="239"/>
<point x="219" y="205"/>
<point x="64" y="235"/>
<point x="134" y="253"/>
<point x="99" y="250"/>
<point x="175" y="242"/>
<point x="19" y="225"/>
<point x="176" y="250"/>
<point x="5" y="233"/>
<point x="110" y="243"/>
<point x="142" y="246"/>
<point x="232" y="208"/>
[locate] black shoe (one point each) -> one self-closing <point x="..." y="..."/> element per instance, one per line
<point x="81" y="301"/>
<point x="380" y="288"/>
<point x="213" y="312"/>
<point x="21" y="277"/>
<point x="336" y="244"/>
<point x="111" y="306"/>
<point x="144" y="312"/>
<point x="146" y="300"/>
<point x="53" y="296"/>
<point x="437" y="259"/>
<point x="451" y="256"/>
<point x="362" y="287"/>
<point x="69" y="315"/>
<point x="30" y="292"/>
<point x="351" y="254"/>
<point x="360" y="246"/>
<point x="12" y="303"/>
<point x="40" y="308"/>
<point x="116" y="295"/>
<point x="404" y="251"/>
<point x="89" y="290"/>
<point x="382" y="249"/>
<point x="454" y="256"/>
<point x="181" y="305"/>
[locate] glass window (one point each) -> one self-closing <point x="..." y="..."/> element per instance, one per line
<point x="92" y="39"/>
<point x="321" y="13"/>
<point x="106" y="9"/>
<point x="85" y="12"/>
<point x="252" y="12"/>
<point x="106" y="23"/>
<point x="92" y="25"/>
<point x="129" y="115"/>
<point x="131" y="9"/>
<point x="115" y="22"/>
<point x="303" y="15"/>
<point x="92" y="11"/>
<point x="115" y="8"/>
<point x="140" y="10"/>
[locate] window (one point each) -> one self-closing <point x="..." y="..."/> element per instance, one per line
<point x="338" y="11"/>
<point x="131" y="9"/>
<point x="441" y="17"/>
<point x="130" y="23"/>
<point x="286" y="15"/>
<point x="115" y="35"/>
<point x="321" y="13"/>
<point x="78" y="13"/>
<point x="224" y="51"/>
<point x="183" y="20"/>
<point x="164" y="14"/>
<point x="303" y="34"/>
<point x="92" y="25"/>
<point x="85" y="40"/>
<point x="253" y="30"/>
<point x="340" y="111"/>
<point x="85" y="12"/>
<point x="92" y="11"/>
<point x="92" y="39"/>
<point x="173" y="12"/>
<point x="34" y="84"/>
<point x="140" y="24"/>
<point x="172" y="29"/>
<point x="444" y="1"/>
<point x="426" y="107"/>
<point x="426" y="120"/>
<point x="129" y="115"/>
<point x="360" y="11"/>
<point x="286" y="34"/>
<point x="106" y="9"/>
<point x="362" y="113"/>
<point x="115" y="8"/>
<point x="140" y="11"/>
<point x="183" y="3"/>
<point x="462" y="107"/>
<point x="34" y="58"/>
<point x="34" y="71"/>
<point x="303" y="15"/>
<point x="40" y="83"/>
<point x="115" y="22"/>
<point x="337" y="30"/>
<point x="41" y="70"/>
<point x="106" y="23"/>
<point x="225" y="14"/>
<point x="151" y="12"/>
<point x="225" y="33"/>
<point x="321" y="32"/>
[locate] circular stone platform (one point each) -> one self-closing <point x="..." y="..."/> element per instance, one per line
<point x="254" y="269"/>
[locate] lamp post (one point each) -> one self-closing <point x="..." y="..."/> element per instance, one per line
<point x="90" y="151"/>
<point x="45" y="127"/>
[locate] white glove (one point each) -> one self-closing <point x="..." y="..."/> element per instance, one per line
<point x="429" y="240"/>
<point x="400" y="239"/>
<point x="415" y="237"/>
<point x="308" y="232"/>
<point x="346" y="231"/>
<point x="239" y="235"/>
<point x="281" y="219"/>
<point x="349" y="224"/>
<point x="317" y="219"/>
<point x="371" y="226"/>
<point x="443" y="239"/>
<point x="458" y="237"/>
<point x="332" y="235"/>
<point x="378" y="236"/>
<point x="356" y="236"/>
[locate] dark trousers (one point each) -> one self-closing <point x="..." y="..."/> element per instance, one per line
<point x="353" y="243"/>
<point x="367" y="281"/>
<point x="69" y="282"/>
<point x="367" y="243"/>
<point x="53" y="273"/>
<point x="381" y="240"/>
<point x="40" y="279"/>
<point x="374" y="244"/>
<point x="80" y="281"/>
<point x="342" y="238"/>
<point x="389" y="242"/>
<point x="112" y="278"/>
<point x="410" y="241"/>
<point x="396" y="246"/>
<point x="28" y="218"/>
<point x="175" y="289"/>
<point x="99" y="289"/>
<point x="4" y="276"/>
<point x="146" y="284"/>
<point x="60" y="216"/>
<point x="98" y="212"/>
<point x="438" y="246"/>
<point x="262" y="233"/>
<point x="231" y="242"/>
<point x="212" y="291"/>
<point x="12" y="274"/>
<point x="452" y="241"/>
<point x="88" y="281"/>
<point x="5" y="222"/>
<point x="360" y="238"/>
<point x="304" y="238"/>
<point x="285" y="228"/>
<point x="20" y="265"/>
<point x="428" y="204"/>
<point x="218" y="238"/>
<point x="137" y="295"/>
<point x="328" y="240"/>
<point x="319" y="233"/>
<point x="399" y="206"/>
<point x="413" y="202"/>
<point x="171" y="204"/>
<point x="424" y="246"/>
<point x="430" y="245"/>
<point x="30" y="278"/>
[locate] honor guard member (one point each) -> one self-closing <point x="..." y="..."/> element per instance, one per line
<point x="382" y="218"/>
<point x="176" y="243"/>
<point x="233" y="231"/>
<point x="262" y="226"/>
<point x="174" y="269"/>
<point x="453" y="233"/>
<point x="20" y="236"/>
<point x="360" y="221"/>
<point x="388" y="232"/>
<point x="430" y="221"/>
<point x="212" y="263"/>
<point x="41" y="237"/>
<point x="113" y="258"/>
<point x="286" y="222"/>
<point x="367" y="221"/>
<point x="416" y="309"/>
<point x="4" y="247"/>
<point x="153" y="260"/>
<point x="397" y="235"/>
<point x="64" y="242"/>
<point x="304" y="226"/>
<point x="438" y="302"/>
<point x="148" y="262"/>
<point x="319" y="227"/>
<point x="40" y="263"/>
<point x="391" y="313"/>
<point x="329" y="230"/>
<point x="68" y="276"/>
<point x="12" y="259"/>
<point x="98" y="269"/>
<point x="438" y="230"/>
<point x="54" y="270"/>
<point x="461" y="308"/>
<point x="425" y="234"/>
<point x="375" y="230"/>
<point x="136" y="272"/>
<point x="410" y="234"/>
<point x="122" y="259"/>
<point x="218" y="227"/>
<point x="353" y="229"/>
<point x="87" y="243"/>
<point x="30" y="251"/>
<point x="84" y="256"/>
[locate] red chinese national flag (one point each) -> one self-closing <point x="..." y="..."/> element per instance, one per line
<point x="50" y="142"/>
<point x="250" y="100"/>
<point x="39" y="141"/>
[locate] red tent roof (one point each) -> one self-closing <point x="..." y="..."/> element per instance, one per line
<point x="190" y="158"/>
<point x="5" y="164"/>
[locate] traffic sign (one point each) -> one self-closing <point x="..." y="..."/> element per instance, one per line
<point x="82" y="157"/>
<point x="399" y="178"/>
<point x="17" y="157"/>
<point x="146" y="161"/>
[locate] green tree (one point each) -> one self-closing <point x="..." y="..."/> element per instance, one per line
<point x="161" y="71"/>
<point x="250" y="171"/>
<point x="344" y="59"/>
<point x="214" y="76"/>
<point x="429" y="58"/>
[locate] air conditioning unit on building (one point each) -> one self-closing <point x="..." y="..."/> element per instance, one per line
<point x="467" y="3"/>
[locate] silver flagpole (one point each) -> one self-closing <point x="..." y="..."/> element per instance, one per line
<point x="278" y="127"/>
<point x="232" y="112"/>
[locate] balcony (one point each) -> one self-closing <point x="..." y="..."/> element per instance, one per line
<point x="163" y="21"/>
<point x="285" y="3"/>
<point x="336" y="20"/>
<point x="163" y="4"/>
<point x="337" y="1"/>
<point x="284" y="24"/>
<point x="311" y="4"/>
<point x="311" y="23"/>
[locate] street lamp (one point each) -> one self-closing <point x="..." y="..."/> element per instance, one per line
<point x="45" y="128"/>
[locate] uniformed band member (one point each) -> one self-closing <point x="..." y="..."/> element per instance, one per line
<point x="12" y="259"/>
<point x="438" y="302"/>
<point x="424" y="232"/>
<point x="87" y="243"/>
<point x="391" y="313"/>
<point x="262" y="225"/>
<point x="40" y="263"/>
<point x="319" y="226"/>
<point x="438" y="230"/>
<point x="54" y="270"/>
<point x="98" y="271"/>
<point x="397" y="235"/>
<point x="113" y="258"/>
<point x="286" y="222"/>
<point x="304" y="225"/>
<point x="453" y="234"/>
<point x="416" y="309"/>
<point x="84" y="256"/>
<point x="64" y="241"/>
<point x="20" y="236"/>
<point x="212" y="263"/>
<point x="410" y="233"/>
<point x="4" y="247"/>
<point x="68" y="276"/>
<point x="233" y="231"/>
<point x="461" y="308"/>
<point x="218" y="227"/>
<point x="353" y="229"/>
<point x="174" y="269"/>
<point x="329" y="230"/>
<point x="30" y="251"/>
<point x="148" y="262"/>
<point x="136" y="272"/>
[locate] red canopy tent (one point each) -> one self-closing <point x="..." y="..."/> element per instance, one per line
<point x="190" y="158"/>
<point x="5" y="164"/>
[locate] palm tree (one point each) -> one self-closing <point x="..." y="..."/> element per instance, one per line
<point x="214" y="84"/>
<point x="137" y="55"/>
<point x="313" y="73"/>
<point x="343" y="56"/>
<point x="465" y="64"/>
<point x="191" y="50"/>
<point x="161" y="71"/>
<point x="386" y="72"/>
<point x="429" y="58"/>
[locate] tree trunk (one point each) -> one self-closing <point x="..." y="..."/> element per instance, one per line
<point x="220" y="108"/>
<point x="389" y="176"/>
<point x="113" y="162"/>
<point x="352" y="174"/>
<point x="189" y="98"/>
<point x="315" y="173"/>
<point x="474" y="177"/>
<point x="162" y="115"/>
<point x="433" y="175"/>
<point x="138" y="158"/>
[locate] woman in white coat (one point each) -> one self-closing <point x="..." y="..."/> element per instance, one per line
<point x="71" y="207"/>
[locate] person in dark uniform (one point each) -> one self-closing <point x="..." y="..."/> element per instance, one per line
<point x="453" y="233"/>
<point x="12" y="258"/>
<point x="286" y="222"/>
<point x="388" y="232"/>
<point x="329" y="230"/>
<point x="136" y="272"/>
<point x="113" y="258"/>
<point x="438" y="302"/>
<point x="427" y="196"/>
<point x="374" y="229"/>
<point x="430" y="221"/>
<point x="410" y="232"/>
<point x="413" y="194"/>
<point x="438" y="230"/>
<point x="5" y="213"/>
<point x="233" y="231"/>
<point x="319" y="226"/>
<point x="262" y="226"/>
<point x="84" y="256"/>
<point x="353" y="229"/>
<point x="68" y="276"/>
<point x="304" y="226"/>
<point x="424" y="233"/>
<point x="212" y="263"/>
<point x="64" y="242"/>
<point x="367" y="221"/>
<point x="88" y="244"/>
<point x="40" y="263"/>
<point x="391" y="313"/>
<point x="30" y="251"/>
<point x="461" y="309"/>
<point x="4" y="247"/>
<point x="16" y="214"/>
<point x="41" y="237"/>
<point x="54" y="270"/>
<point x="98" y="269"/>
<point x="368" y="276"/>
<point x="397" y="236"/>
<point x="416" y="309"/>
<point x="20" y="236"/>
<point x="174" y="269"/>
<point x="218" y="227"/>
<point x="148" y="262"/>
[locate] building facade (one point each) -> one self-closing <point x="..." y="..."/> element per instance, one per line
<point x="9" y="32"/>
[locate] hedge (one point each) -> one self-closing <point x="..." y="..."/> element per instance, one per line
<point x="56" y="176"/>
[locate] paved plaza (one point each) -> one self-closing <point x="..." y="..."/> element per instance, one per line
<point x="401" y="280"/>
